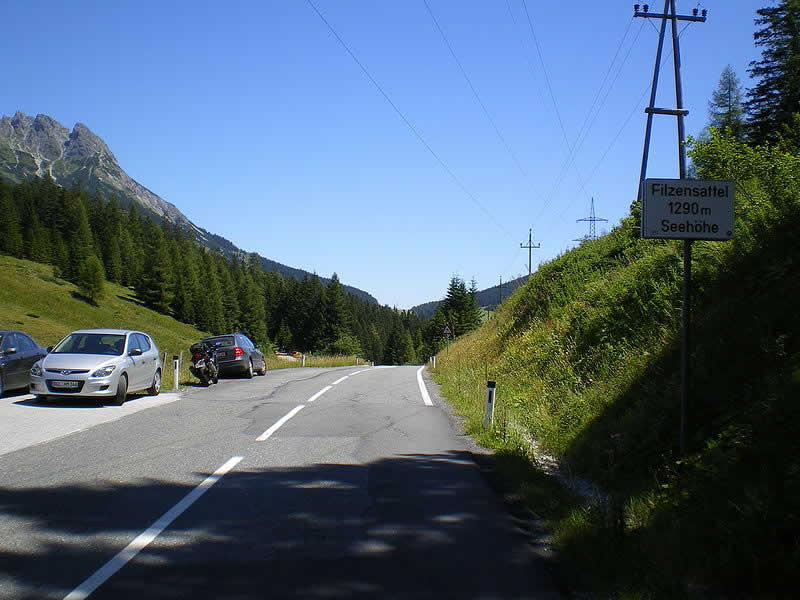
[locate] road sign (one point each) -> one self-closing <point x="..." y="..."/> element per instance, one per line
<point x="446" y="330"/>
<point x="687" y="209"/>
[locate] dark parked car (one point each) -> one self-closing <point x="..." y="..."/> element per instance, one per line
<point x="18" y="353"/>
<point x="237" y="354"/>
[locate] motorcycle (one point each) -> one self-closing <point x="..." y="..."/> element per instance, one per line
<point x="204" y="363"/>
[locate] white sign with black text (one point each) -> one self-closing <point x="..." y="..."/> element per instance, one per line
<point x="687" y="209"/>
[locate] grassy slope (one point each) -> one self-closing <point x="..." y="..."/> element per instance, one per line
<point x="586" y="361"/>
<point x="34" y="301"/>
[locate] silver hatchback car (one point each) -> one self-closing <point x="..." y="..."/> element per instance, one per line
<point x="98" y="363"/>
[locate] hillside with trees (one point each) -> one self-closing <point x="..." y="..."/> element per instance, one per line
<point x="586" y="357"/>
<point x="89" y="239"/>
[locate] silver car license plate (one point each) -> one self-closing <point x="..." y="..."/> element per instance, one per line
<point x="65" y="385"/>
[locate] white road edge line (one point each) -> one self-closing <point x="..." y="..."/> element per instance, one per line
<point x="280" y="422"/>
<point x="340" y="380"/>
<point x="143" y="539"/>
<point x="422" y="389"/>
<point x="319" y="393"/>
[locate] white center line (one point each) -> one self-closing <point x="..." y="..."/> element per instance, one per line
<point x="319" y="393"/>
<point x="277" y="425"/>
<point x="422" y="389"/>
<point x="143" y="539"/>
<point x="340" y="380"/>
<point x="357" y="372"/>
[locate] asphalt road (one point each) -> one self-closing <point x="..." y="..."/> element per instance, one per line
<point x="304" y="483"/>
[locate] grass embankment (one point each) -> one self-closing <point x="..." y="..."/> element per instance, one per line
<point x="48" y="308"/>
<point x="315" y="360"/>
<point x="586" y="359"/>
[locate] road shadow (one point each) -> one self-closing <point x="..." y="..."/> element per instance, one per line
<point x="413" y="526"/>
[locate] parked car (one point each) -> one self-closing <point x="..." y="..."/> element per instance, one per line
<point x="18" y="353"/>
<point x="98" y="363"/>
<point x="237" y="354"/>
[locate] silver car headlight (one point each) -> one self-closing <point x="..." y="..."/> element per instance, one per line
<point x="104" y="372"/>
<point x="36" y="370"/>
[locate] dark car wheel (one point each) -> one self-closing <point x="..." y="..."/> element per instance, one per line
<point x="122" y="390"/>
<point x="263" y="369"/>
<point x="2" y="386"/>
<point x="155" y="388"/>
<point x="249" y="372"/>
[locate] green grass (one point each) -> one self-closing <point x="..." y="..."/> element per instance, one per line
<point x="48" y="308"/>
<point x="586" y="359"/>
<point x="314" y="360"/>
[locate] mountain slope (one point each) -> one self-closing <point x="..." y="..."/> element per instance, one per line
<point x="41" y="147"/>
<point x="48" y="308"/>
<point x="488" y="298"/>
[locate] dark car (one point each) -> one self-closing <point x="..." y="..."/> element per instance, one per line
<point x="237" y="354"/>
<point x="18" y="353"/>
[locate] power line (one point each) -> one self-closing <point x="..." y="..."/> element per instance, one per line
<point x="550" y="90"/>
<point x="580" y="141"/>
<point x="475" y="93"/>
<point x="408" y="123"/>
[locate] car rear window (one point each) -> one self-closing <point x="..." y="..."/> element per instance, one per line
<point x="221" y="340"/>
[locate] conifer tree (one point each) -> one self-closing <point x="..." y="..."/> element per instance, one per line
<point x="37" y="241"/>
<point x="209" y="308"/>
<point x="725" y="109"/>
<point x="91" y="279"/>
<point x="253" y="321"/>
<point x="284" y="337"/>
<point x="776" y="95"/>
<point x="154" y="287"/>
<point x="230" y="300"/>
<point x="11" y="241"/>
<point x="80" y="243"/>
<point x="337" y="317"/>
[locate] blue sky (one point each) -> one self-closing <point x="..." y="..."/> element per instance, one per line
<point x="257" y="124"/>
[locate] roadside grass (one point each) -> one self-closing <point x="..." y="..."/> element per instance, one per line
<point x="586" y="360"/>
<point x="314" y="360"/>
<point x="48" y="308"/>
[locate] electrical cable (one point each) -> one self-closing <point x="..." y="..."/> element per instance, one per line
<point x="477" y="96"/>
<point x="550" y="90"/>
<point x="408" y="123"/>
<point x="580" y="140"/>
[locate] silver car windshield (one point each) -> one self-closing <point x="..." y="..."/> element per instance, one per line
<point x="91" y="343"/>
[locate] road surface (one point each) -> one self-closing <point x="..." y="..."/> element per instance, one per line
<point x="304" y="483"/>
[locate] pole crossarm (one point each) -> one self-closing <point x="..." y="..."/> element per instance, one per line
<point x="649" y="15"/>
<point x="675" y="112"/>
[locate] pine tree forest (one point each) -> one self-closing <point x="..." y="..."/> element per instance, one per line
<point x="90" y="239"/>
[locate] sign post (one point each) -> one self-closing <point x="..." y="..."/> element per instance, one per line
<point x="688" y="210"/>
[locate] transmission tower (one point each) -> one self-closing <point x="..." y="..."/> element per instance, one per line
<point x="591" y="219"/>
<point x="529" y="246"/>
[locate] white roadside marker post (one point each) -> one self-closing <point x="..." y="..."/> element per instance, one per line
<point x="488" y="416"/>
<point x="176" y="367"/>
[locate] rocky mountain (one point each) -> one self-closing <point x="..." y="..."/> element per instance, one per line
<point x="40" y="146"/>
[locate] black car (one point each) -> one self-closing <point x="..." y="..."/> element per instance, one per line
<point x="18" y="352"/>
<point x="237" y="354"/>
